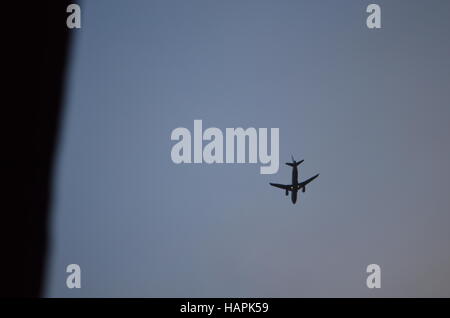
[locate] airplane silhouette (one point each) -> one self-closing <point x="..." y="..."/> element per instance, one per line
<point x="295" y="186"/>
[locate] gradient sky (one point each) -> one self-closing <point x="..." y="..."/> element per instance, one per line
<point x="367" y="109"/>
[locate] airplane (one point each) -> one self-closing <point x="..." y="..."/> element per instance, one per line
<point x="295" y="186"/>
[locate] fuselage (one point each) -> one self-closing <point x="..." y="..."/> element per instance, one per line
<point x="294" y="184"/>
<point x="294" y="196"/>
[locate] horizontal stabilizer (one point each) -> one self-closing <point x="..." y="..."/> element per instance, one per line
<point x="294" y="163"/>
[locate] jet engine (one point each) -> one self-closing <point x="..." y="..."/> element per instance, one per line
<point x="304" y="189"/>
<point x="287" y="192"/>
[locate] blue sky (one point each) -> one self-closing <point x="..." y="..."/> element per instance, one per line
<point x="367" y="109"/>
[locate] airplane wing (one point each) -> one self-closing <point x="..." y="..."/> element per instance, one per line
<point x="281" y="186"/>
<point x="304" y="183"/>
